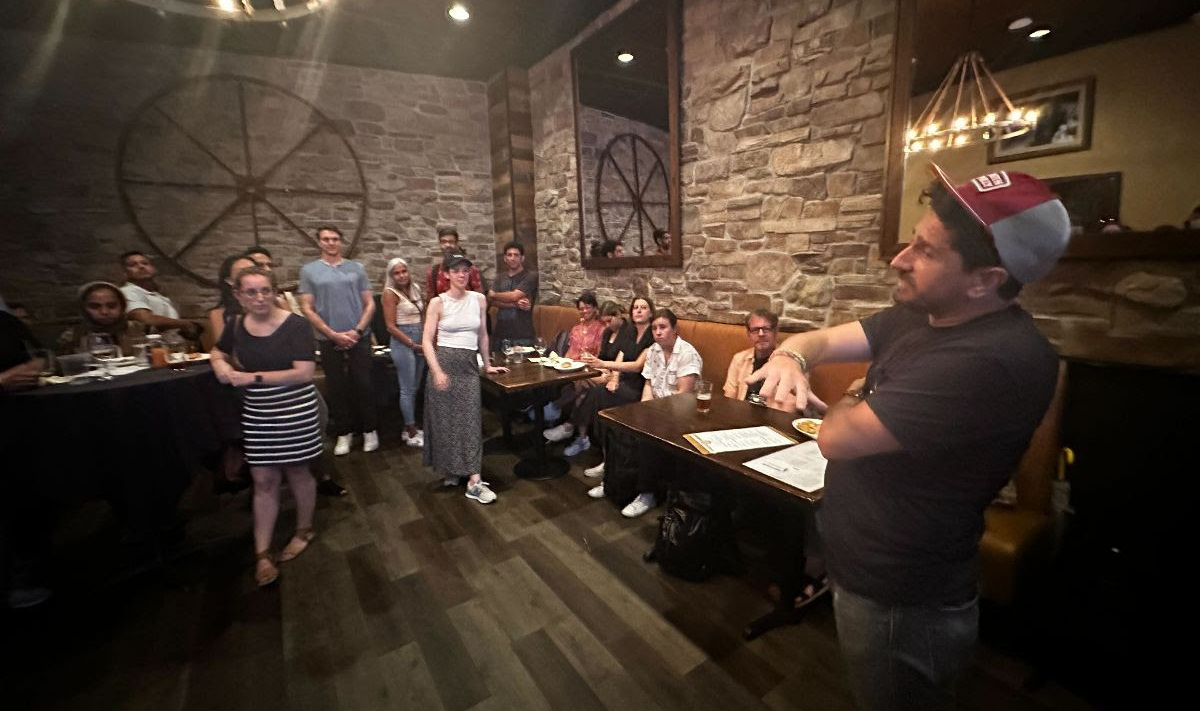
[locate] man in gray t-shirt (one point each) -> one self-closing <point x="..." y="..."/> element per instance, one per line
<point x="336" y="298"/>
<point x="513" y="295"/>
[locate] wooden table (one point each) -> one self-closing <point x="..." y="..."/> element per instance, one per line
<point x="542" y="384"/>
<point x="662" y="422"/>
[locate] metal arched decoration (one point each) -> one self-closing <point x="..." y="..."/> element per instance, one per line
<point x="193" y="170"/>
<point x="621" y="190"/>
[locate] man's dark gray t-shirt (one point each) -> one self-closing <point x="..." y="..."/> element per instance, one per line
<point x="513" y="323"/>
<point x="963" y="401"/>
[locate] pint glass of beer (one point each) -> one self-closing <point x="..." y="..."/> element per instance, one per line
<point x="703" y="395"/>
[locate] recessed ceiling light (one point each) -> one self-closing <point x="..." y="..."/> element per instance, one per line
<point x="458" y="12"/>
<point x="1020" y="23"/>
<point x="624" y="57"/>
<point x="1039" y="33"/>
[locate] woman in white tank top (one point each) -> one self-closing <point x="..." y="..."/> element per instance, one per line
<point x="456" y="323"/>
<point x="404" y="314"/>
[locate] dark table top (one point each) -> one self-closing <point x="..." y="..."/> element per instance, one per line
<point x="666" y="420"/>
<point x="141" y="378"/>
<point x="526" y="376"/>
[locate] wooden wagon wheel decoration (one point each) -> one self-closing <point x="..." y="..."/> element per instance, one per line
<point x="631" y="189"/>
<point x="221" y="162"/>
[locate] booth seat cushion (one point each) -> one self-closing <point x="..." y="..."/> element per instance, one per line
<point x="1015" y="543"/>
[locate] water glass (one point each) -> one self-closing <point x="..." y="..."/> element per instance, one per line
<point x="540" y="345"/>
<point x="507" y="348"/>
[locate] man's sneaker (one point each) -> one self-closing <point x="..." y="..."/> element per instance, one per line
<point x="343" y="445"/>
<point x="329" y="487"/>
<point x="551" y="412"/>
<point x="370" y="441"/>
<point x="450" y="482"/>
<point x="597" y="492"/>
<point x="560" y="433"/>
<point x="579" y="446"/>
<point x="643" y="503"/>
<point x="595" y="471"/>
<point x="416" y="440"/>
<point x="480" y="492"/>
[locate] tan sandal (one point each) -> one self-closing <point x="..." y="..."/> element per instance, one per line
<point x="297" y="545"/>
<point x="264" y="575"/>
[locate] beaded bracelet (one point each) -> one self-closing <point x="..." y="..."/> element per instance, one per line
<point x="794" y="355"/>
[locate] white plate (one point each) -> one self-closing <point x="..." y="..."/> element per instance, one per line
<point x="122" y="361"/>
<point x="524" y="349"/>
<point x="535" y="359"/>
<point x="567" y="366"/>
<point x="197" y="357"/>
<point x="808" y="422"/>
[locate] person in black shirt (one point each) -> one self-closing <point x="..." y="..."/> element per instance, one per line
<point x="514" y="294"/>
<point x="960" y="378"/>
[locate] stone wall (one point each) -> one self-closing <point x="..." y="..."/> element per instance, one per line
<point x="783" y="119"/>
<point x="421" y="143"/>
<point x="597" y="129"/>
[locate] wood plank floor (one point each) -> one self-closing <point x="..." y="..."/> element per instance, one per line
<point x="414" y="598"/>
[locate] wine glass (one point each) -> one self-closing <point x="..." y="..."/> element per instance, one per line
<point x="102" y="348"/>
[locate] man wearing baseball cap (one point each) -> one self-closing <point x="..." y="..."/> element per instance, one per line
<point x="959" y="380"/>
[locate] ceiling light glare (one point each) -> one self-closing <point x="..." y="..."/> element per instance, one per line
<point x="458" y="12"/>
<point x="1020" y="23"/>
<point x="1039" y="33"/>
<point x="227" y="5"/>
<point x="624" y="57"/>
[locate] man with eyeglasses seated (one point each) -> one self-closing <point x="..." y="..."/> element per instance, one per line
<point x="762" y="328"/>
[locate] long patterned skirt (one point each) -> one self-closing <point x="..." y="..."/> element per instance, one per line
<point x="453" y="418"/>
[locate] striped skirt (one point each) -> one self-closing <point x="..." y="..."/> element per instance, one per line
<point x="280" y="425"/>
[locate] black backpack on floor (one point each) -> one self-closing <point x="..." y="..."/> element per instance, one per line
<point x="695" y="538"/>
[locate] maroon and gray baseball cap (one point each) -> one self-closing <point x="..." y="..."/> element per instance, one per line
<point x="1028" y="222"/>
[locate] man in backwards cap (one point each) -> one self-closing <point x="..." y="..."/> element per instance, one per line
<point x="959" y="380"/>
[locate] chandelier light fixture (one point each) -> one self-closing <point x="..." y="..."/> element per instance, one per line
<point x="239" y="10"/>
<point x="968" y="107"/>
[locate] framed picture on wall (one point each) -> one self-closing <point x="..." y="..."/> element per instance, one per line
<point x="1064" y="122"/>
<point x="1091" y="200"/>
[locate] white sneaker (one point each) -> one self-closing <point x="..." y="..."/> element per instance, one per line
<point x="643" y="503"/>
<point x="595" y="471"/>
<point x="417" y="440"/>
<point x="343" y="445"/>
<point x="370" y="441"/>
<point x="480" y="492"/>
<point x="597" y="492"/>
<point x="558" y="434"/>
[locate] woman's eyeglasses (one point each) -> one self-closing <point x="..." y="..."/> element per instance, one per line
<point x="265" y="291"/>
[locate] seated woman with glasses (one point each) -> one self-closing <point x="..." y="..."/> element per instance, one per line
<point x="280" y="419"/>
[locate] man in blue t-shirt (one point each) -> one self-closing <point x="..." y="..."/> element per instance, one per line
<point x="959" y="380"/>
<point x="336" y="298"/>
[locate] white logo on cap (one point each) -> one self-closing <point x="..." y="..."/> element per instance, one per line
<point x="991" y="181"/>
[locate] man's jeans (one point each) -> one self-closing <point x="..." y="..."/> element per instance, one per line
<point x="904" y="657"/>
